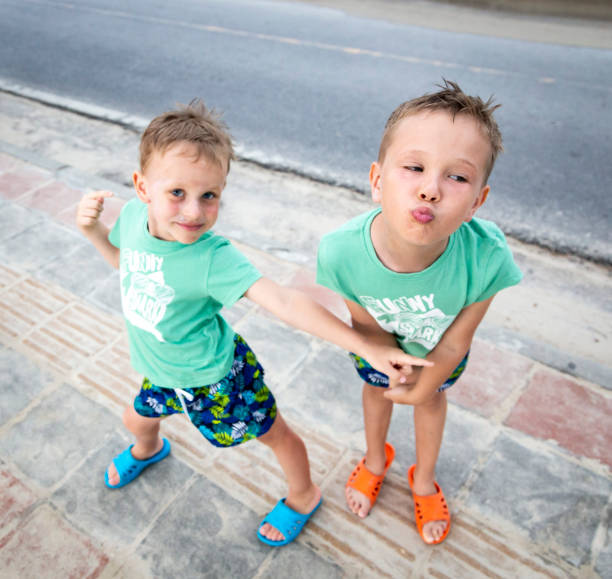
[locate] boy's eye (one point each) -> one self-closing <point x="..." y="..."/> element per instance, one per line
<point x="209" y="195"/>
<point x="458" y="178"/>
<point x="177" y="193"/>
<point x="414" y="168"/>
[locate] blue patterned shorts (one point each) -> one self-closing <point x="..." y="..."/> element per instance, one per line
<point x="375" y="378"/>
<point x="237" y="408"/>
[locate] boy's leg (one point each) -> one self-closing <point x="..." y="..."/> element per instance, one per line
<point x="429" y="419"/>
<point x="377" y="412"/>
<point x="148" y="442"/>
<point x="303" y="495"/>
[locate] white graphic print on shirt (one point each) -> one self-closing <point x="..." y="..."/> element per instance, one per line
<point x="414" y="319"/>
<point x="144" y="294"/>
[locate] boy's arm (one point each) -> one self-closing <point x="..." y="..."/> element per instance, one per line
<point x="296" y="308"/>
<point x="449" y="351"/>
<point x="88" y="221"/>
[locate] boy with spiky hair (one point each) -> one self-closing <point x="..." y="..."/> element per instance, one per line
<point x="420" y="272"/>
<point x="176" y="275"/>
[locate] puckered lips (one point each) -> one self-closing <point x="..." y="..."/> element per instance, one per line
<point x="190" y="226"/>
<point x="423" y="214"/>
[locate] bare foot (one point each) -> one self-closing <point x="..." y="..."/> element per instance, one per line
<point x="113" y="475"/>
<point x="433" y="530"/>
<point x="302" y="504"/>
<point x="358" y="502"/>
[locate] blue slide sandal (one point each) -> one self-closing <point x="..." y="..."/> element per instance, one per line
<point x="287" y="521"/>
<point x="129" y="467"/>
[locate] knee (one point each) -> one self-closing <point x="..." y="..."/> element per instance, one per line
<point x="139" y="425"/>
<point x="375" y="393"/>
<point x="279" y="432"/>
<point x="434" y="403"/>
<point x="128" y="417"/>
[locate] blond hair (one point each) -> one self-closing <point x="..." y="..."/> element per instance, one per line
<point x="454" y="101"/>
<point x="192" y="123"/>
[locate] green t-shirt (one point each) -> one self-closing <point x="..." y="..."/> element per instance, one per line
<point x="171" y="296"/>
<point x="417" y="307"/>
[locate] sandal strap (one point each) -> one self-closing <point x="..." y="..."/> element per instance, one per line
<point x="366" y="482"/>
<point x="431" y="507"/>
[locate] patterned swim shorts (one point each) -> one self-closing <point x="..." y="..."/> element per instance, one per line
<point x="237" y="408"/>
<point x="375" y="378"/>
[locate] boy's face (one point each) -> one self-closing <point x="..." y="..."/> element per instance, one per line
<point x="182" y="191"/>
<point x="431" y="179"/>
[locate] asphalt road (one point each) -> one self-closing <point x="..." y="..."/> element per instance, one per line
<point x="308" y="89"/>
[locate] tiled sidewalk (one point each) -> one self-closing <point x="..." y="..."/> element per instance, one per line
<point x="525" y="463"/>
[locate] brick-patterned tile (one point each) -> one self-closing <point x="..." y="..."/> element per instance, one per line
<point x="89" y="327"/>
<point x="27" y="304"/>
<point x="8" y="276"/>
<point x="15" y="498"/>
<point x="115" y="379"/>
<point x="48" y="547"/>
<point x="14" y="321"/>
<point x="476" y="551"/>
<point x="52" y="198"/>
<point x="491" y="375"/>
<point x="558" y="408"/>
<point x="14" y="184"/>
<point x="39" y="297"/>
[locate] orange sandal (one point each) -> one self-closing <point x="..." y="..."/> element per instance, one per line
<point x="365" y="482"/>
<point x="429" y="508"/>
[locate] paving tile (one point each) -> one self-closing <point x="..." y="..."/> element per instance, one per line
<point x="491" y="376"/>
<point x="276" y="269"/>
<point x="14" y="184"/>
<point x="51" y="198"/>
<point x="14" y="220"/>
<point x="238" y="311"/>
<point x="467" y="438"/>
<point x="56" y="435"/>
<point x="7" y="162"/>
<point x="22" y="383"/>
<point x="39" y="245"/>
<point x="204" y="533"/>
<point x="325" y="395"/>
<point x="303" y="563"/>
<point x="305" y="280"/>
<point x="603" y="565"/>
<point x="278" y="347"/>
<point x="15" y="498"/>
<point x="48" y="547"/>
<point x="106" y="294"/>
<point x="118" y="516"/>
<point x="555" y="502"/>
<point x="557" y="407"/>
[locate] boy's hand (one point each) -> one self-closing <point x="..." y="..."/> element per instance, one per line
<point x="394" y="362"/>
<point x="400" y="394"/>
<point x="89" y="209"/>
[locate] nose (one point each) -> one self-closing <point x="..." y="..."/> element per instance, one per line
<point x="191" y="210"/>
<point x="429" y="193"/>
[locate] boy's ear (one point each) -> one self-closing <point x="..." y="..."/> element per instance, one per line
<point x="482" y="197"/>
<point x="375" y="187"/>
<point x="140" y="186"/>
